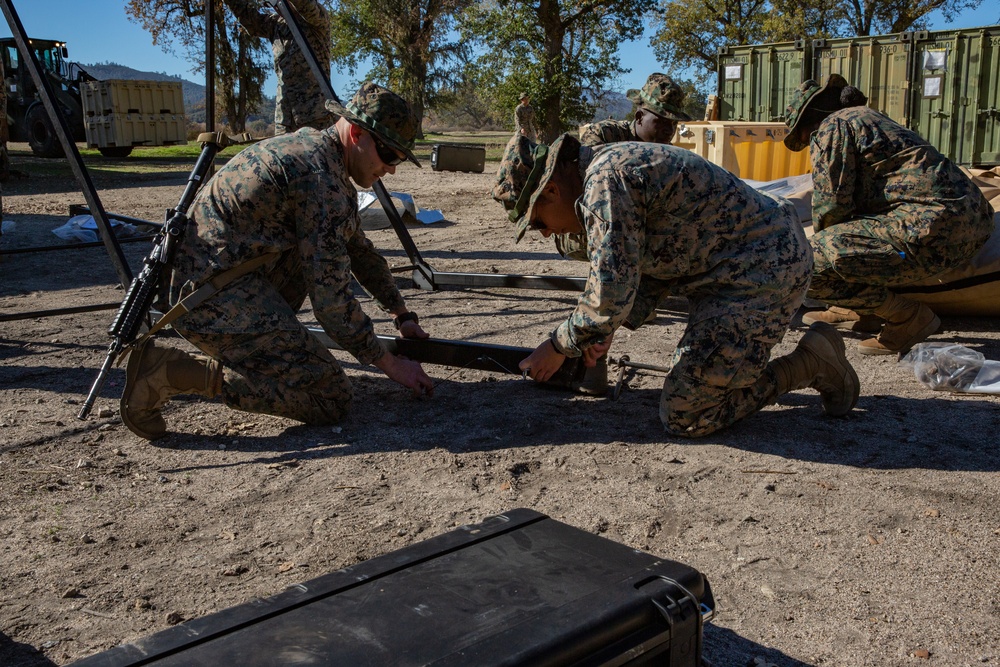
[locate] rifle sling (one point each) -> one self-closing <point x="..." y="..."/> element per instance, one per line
<point x="206" y="291"/>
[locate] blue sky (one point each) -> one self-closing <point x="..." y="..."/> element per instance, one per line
<point x="98" y="31"/>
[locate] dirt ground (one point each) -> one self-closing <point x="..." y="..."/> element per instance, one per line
<point x="866" y="541"/>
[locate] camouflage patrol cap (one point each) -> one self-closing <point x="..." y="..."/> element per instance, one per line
<point x="802" y="97"/>
<point x="524" y="94"/>
<point x="525" y="169"/>
<point x="662" y="96"/>
<point x="383" y="113"/>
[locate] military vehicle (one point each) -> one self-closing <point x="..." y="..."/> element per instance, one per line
<point x="27" y="117"/>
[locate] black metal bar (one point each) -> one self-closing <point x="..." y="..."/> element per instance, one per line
<point x="210" y="66"/>
<point x="72" y="154"/>
<point x="72" y="246"/>
<point x="509" y="280"/>
<point x="11" y="317"/>
<point x="485" y="357"/>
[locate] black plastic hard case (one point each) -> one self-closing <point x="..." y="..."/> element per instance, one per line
<point x="518" y="589"/>
<point x="456" y="157"/>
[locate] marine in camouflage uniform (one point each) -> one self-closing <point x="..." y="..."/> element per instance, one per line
<point x="663" y="221"/>
<point x="524" y="118"/>
<point x="659" y="107"/>
<point x="299" y="101"/>
<point x="889" y="210"/>
<point x="287" y="201"/>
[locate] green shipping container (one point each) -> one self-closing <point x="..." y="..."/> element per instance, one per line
<point x="878" y="66"/>
<point x="955" y="93"/>
<point x="755" y="82"/>
<point x="945" y="85"/>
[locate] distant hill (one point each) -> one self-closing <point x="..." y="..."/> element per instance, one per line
<point x="613" y="105"/>
<point x="194" y="93"/>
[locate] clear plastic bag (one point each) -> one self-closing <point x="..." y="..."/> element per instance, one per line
<point x="949" y="367"/>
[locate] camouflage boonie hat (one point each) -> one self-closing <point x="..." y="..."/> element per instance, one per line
<point x="523" y="95"/>
<point x="525" y="169"/>
<point x="383" y="113"/>
<point x="662" y="96"/>
<point x="799" y="102"/>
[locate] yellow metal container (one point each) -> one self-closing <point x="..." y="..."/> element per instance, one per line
<point x="752" y="151"/>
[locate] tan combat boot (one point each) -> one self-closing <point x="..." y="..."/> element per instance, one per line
<point x="819" y="362"/>
<point x="907" y="322"/>
<point x="153" y="375"/>
<point x="844" y="319"/>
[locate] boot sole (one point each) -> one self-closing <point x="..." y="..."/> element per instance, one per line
<point x="834" y="339"/>
<point x="930" y="329"/>
<point x="871" y="325"/>
<point x="131" y="373"/>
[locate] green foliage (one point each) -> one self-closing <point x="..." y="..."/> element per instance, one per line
<point x="407" y="40"/>
<point x="241" y="61"/>
<point x="556" y="50"/>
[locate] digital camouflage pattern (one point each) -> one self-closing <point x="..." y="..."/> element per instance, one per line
<point x="661" y="95"/>
<point x="524" y="119"/>
<point x="608" y="132"/>
<point x="888" y="208"/>
<point x="661" y="221"/>
<point x="574" y="246"/>
<point x="299" y="102"/>
<point x="289" y="196"/>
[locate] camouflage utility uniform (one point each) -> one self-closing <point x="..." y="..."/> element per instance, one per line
<point x="574" y="246"/>
<point x="660" y="220"/>
<point x="524" y="119"/>
<point x="289" y="196"/>
<point x="608" y="132"/>
<point x="888" y="208"/>
<point x="299" y="101"/>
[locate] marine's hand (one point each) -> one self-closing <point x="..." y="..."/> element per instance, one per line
<point x="407" y="373"/>
<point x="411" y="329"/>
<point x="596" y="351"/>
<point x="544" y="362"/>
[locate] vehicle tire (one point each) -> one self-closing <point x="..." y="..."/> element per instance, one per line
<point x="115" y="151"/>
<point x="42" y="136"/>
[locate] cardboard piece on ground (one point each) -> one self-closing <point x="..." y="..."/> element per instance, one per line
<point x="971" y="289"/>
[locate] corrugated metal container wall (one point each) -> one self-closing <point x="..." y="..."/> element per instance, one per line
<point x="755" y="82"/>
<point x="945" y="85"/>
<point x="877" y="66"/>
<point x="955" y="99"/>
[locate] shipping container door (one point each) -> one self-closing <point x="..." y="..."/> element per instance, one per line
<point x="986" y="124"/>
<point x="755" y="82"/>
<point x="939" y="85"/>
<point x="877" y="66"/>
<point x="955" y="98"/>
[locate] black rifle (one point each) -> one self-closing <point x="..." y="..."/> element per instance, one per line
<point x="133" y="314"/>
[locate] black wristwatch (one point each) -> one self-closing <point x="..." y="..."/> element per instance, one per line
<point x="408" y="316"/>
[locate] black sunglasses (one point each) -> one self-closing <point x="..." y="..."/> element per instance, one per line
<point x="385" y="153"/>
<point x="537" y="225"/>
